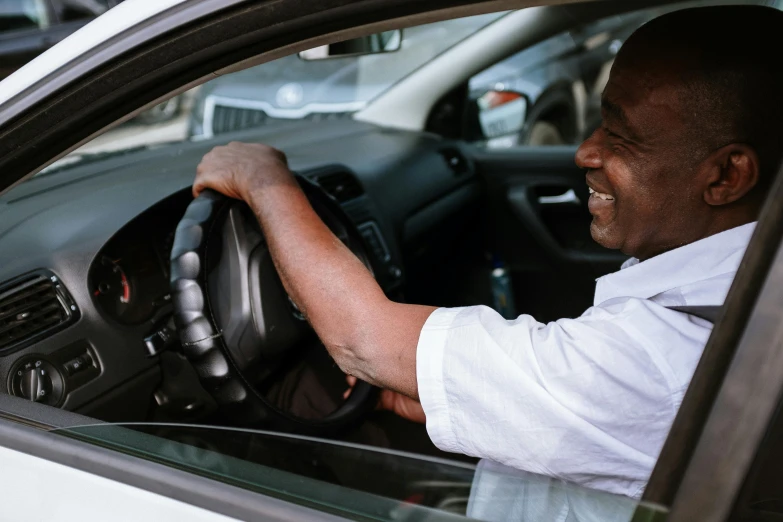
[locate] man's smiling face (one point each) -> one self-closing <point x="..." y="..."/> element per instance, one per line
<point x="640" y="162"/>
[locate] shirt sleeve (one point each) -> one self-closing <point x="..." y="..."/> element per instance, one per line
<point x="587" y="400"/>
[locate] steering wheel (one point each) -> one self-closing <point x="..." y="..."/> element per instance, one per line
<point x="235" y="321"/>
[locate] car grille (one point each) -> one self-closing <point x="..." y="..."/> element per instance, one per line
<point x="31" y="307"/>
<point x="229" y="119"/>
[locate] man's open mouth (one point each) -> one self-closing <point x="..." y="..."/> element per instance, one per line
<point x="600" y="195"/>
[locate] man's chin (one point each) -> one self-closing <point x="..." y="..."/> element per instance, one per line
<point x="605" y="236"/>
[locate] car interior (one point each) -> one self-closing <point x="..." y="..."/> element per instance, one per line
<point x="124" y="300"/>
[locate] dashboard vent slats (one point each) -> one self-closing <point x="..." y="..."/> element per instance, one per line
<point x="31" y="307"/>
<point x="341" y="185"/>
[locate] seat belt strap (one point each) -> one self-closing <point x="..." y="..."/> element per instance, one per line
<point x="708" y="313"/>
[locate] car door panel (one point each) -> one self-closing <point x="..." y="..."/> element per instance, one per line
<point x="540" y="227"/>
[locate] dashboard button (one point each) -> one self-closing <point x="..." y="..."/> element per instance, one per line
<point x="35" y="385"/>
<point x="77" y="364"/>
<point x="36" y="379"/>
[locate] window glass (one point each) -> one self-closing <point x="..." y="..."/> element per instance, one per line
<point x="557" y="83"/>
<point x="293" y="89"/>
<point x="282" y="91"/>
<point x="73" y="10"/>
<point x="22" y="14"/>
<point x="549" y="94"/>
<point x="359" y="482"/>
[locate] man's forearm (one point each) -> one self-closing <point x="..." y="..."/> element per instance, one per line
<point x="367" y="335"/>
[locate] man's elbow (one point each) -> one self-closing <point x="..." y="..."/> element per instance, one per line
<point x="356" y="346"/>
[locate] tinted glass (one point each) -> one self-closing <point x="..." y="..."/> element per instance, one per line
<point x="358" y="482"/>
<point x="21" y="14"/>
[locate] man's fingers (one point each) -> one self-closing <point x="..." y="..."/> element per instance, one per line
<point x="351" y="380"/>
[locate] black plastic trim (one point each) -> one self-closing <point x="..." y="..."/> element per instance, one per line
<point x="64" y="297"/>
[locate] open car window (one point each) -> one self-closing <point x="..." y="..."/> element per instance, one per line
<point x="358" y="482"/>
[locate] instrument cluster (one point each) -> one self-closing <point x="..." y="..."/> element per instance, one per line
<point x="129" y="278"/>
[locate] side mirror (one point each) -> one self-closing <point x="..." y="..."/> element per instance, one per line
<point x="386" y="42"/>
<point x="501" y="115"/>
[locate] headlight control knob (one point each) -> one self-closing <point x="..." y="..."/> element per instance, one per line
<point x="36" y="379"/>
<point x="35" y="384"/>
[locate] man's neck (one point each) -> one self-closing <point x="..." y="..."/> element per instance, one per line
<point x="710" y="228"/>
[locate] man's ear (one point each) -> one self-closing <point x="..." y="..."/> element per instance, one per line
<point x="734" y="171"/>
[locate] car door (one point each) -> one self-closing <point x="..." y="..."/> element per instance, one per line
<point x="539" y="226"/>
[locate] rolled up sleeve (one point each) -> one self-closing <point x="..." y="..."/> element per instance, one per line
<point x="429" y="374"/>
<point x="582" y="399"/>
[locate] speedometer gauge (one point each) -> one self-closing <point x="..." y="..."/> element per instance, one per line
<point x="111" y="287"/>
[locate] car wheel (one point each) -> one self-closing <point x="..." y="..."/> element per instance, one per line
<point x="544" y="133"/>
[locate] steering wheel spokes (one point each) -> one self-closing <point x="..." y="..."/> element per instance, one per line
<point x="236" y="322"/>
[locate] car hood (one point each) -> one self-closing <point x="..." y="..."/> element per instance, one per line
<point x="291" y="83"/>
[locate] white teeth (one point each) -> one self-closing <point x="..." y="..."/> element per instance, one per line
<point x="600" y="195"/>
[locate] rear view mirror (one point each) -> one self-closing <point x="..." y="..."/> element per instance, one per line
<point x="386" y="42"/>
<point x="501" y="113"/>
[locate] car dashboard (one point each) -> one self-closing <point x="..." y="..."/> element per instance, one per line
<point x="84" y="252"/>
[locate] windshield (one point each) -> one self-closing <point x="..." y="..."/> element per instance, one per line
<point x="360" y="482"/>
<point x="284" y="90"/>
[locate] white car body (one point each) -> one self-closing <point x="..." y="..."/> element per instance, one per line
<point x="72" y="494"/>
<point x="109" y="24"/>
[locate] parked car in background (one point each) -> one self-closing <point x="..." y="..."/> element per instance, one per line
<point x="29" y="27"/>
<point x="294" y="88"/>
<point x="561" y="80"/>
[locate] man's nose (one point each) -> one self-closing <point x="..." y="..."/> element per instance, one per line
<point x="588" y="155"/>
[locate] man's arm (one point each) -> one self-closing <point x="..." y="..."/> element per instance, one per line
<point x="368" y="335"/>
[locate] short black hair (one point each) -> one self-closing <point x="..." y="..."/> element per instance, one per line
<point x="732" y="73"/>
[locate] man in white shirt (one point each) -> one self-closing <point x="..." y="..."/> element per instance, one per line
<point x="678" y="172"/>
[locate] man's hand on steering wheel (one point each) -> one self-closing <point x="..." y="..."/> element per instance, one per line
<point x="236" y="169"/>
<point x="366" y="334"/>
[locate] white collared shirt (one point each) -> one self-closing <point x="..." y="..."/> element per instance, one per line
<point x="588" y="400"/>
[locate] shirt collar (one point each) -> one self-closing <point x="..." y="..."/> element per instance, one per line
<point x="709" y="257"/>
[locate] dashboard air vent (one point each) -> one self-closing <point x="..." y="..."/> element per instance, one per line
<point x="31" y="307"/>
<point x="341" y="185"/>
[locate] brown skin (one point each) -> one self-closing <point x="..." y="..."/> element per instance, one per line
<point x="368" y="335"/>
<point x="667" y="193"/>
